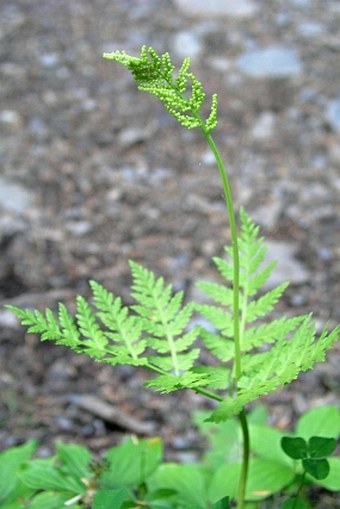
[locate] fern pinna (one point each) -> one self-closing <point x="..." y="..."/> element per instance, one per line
<point x="157" y="331"/>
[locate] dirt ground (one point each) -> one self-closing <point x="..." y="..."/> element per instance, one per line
<point x="94" y="173"/>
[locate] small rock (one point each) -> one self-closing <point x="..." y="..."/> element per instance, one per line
<point x="38" y="128"/>
<point x="268" y="214"/>
<point x="13" y="197"/>
<point x="273" y="62"/>
<point x="79" y="228"/>
<point x="213" y="8"/>
<point x="264" y="126"/>
<point x="49" y="60"/>
<point x="10" y="118"/>
<point x="8" y="319"/>
<point x="288" y="267"/>
<point x="187" y="44"/>
<point x="333" y="114"/>
<point x="133" y="135"/>
<point x="310" y="29"/>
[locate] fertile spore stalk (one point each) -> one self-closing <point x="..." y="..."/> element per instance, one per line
<point x="154" y="74"/>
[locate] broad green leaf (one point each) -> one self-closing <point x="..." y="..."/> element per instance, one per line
<point x="50" y="500"/>
<point x="295" y="447"/>
<point x="40" y="475"/>
<point x="294" y="503"/>
<point x="225" y="441"/>
<point x="320" y="421"/>
<point x="111" y="499"/>
<point x="11" y="462"/>
<point x="265" y="478"/>
<point x="319" y="447"/>
<point x="222" y="504"/>
<point x="189" y="481"/>
<point x="131" y="463"/>
<point x="75" y="459"/>
<point x="266" y="443"/>
<point x="318" y="468"/>
<point x="332" y="481"/>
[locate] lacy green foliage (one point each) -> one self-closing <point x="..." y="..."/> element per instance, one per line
<point x="182" y="95"/>
<point x="151" y="333"/>
<point x="156" y="331"/>
<point x="288" y="345"/>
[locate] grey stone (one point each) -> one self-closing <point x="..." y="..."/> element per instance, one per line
<point x="187" y="44"/>
<point x="310" y="29"/>
<point x="264" y="126"/>
<point x="333" y="114"/>
<point x="14" y="197"/>
<point x="231" y="8"/>
<point x="271" y="62"/>
<point x="288" y="268"/>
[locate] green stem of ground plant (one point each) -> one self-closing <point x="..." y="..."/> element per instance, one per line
<point x="236" y="258"/>
<point x="236" y="312"/>
<point x="245" y="459"/>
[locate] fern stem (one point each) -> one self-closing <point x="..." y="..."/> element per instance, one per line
<point x="234" y="242"/>
<point x="236" y="313"/>
<point x="245" y="460"/>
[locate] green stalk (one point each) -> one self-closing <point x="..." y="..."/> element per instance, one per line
<point x="236" y="312"/>
<point x="234" y="242"/>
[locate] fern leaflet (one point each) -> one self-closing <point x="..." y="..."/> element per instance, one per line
<point x="164" y="320"/>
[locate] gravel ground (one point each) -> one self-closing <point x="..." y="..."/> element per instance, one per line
<point x="94" y="173"/>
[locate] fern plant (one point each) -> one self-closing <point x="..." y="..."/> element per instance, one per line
<point x="254" y="355"/>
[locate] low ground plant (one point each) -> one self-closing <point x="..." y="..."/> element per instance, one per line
<point x="248" y="464"/>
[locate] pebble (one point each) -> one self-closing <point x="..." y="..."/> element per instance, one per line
<point x="10" y="118"/>
<point x="8" y="319"/>
<point x="310" y="29"/>
<point x="333" y="114"/>
<point x="79" y="228"/>
<point x="264" y="126"/>
<point x="272" y="62"/>
<point x="49" y="60"/>
<point x="14" y="197"/>
<point x="213" y="8"/>
<point x="187" y="44"/>
<point x="288" y="268"/>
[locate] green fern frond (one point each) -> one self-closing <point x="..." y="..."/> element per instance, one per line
<point x="268" y="333"/>
<point x="281" y="365"/>
<point x="218" y="317"/>
<point x="253" y="276"/>
<point x="184" y="361"/>
<point x="94" y="339"/>
<point x="217" y="377"/>
<point x="121" y="326"/>
<point x="220" y="346"/>
<point x="219" y="293"/>
<point x="262" y="306"/>
<point x="182" y="95"/>
<point x="290" y="343"/>
<point x="170" y="382"/>
<point x="69" y="328"/>
<point x="164" y="319"/>
<point x="38" y="323"/>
